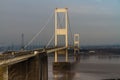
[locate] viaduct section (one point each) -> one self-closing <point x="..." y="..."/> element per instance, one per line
<point x="33" y="68"/>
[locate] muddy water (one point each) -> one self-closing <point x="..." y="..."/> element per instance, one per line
<point x="89" y="67"/>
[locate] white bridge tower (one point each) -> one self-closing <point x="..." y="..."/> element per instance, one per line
<point x="61" y="31"/>
<point x="76" y="43"/>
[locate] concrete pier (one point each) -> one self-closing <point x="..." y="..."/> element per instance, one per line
<point x="62" y="66"/>
<point x="66" y="66"/>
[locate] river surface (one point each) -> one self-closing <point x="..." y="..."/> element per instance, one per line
<point x="88" y="67"/>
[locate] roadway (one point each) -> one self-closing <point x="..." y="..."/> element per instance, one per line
<point x="16" y="57"/>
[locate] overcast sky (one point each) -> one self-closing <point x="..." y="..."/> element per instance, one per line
<point x="97" y="21"/>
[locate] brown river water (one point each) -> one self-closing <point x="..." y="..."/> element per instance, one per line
<point x="88" y="67"/>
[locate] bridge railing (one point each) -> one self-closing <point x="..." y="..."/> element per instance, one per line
<point x="13" y="54"/>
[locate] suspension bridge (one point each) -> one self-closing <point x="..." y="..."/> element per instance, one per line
<point x="33" y="64"/>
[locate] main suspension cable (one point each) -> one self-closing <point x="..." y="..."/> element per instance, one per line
<point x="70" y="30"/>
<point x="34" y="37"/>
<point x="50" y="40"/>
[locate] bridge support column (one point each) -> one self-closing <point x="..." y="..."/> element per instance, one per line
<point x="43" y="66"/>
<point x="66" y="55"/>
<point x="3" y="73"/>
<point x="56" y="56"/>
<point x="6" y="74"/>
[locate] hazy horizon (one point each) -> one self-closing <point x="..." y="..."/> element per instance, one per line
<point x="97" y="21"/>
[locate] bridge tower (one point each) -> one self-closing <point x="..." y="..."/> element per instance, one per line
<point x="61" y="31"/>
<point x="76" y="43"/>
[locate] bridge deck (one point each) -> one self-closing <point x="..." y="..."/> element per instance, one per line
<point x="24" y="55"/>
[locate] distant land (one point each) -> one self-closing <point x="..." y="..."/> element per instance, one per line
<point x="83" y="49"/>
